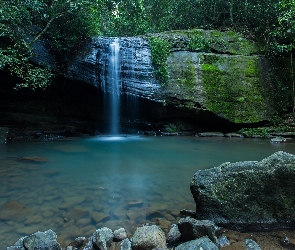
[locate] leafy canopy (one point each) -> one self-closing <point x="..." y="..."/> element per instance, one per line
<point x="60" y="22"/>
<point x="63" y="23"/>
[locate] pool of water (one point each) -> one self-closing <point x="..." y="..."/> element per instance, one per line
<point x="75" y="186"/>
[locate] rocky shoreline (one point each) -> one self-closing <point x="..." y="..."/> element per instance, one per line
<point x="187" y="234"/>
<point x="60" y="132"/>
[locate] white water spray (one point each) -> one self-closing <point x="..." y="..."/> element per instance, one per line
<point x="112" y="88"/>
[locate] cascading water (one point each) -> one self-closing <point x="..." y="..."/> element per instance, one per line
<point x="124" y="73"/>
<point x="112" y="88"/>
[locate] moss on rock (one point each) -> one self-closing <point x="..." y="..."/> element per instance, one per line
<point x="233" y="88"/>
<point x="221" y="72"/>
<point x="248" y="194"/>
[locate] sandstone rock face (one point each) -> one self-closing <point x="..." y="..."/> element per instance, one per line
<point x="228" y="85"/>
<point x="148" y="237"/>
<point x="248" y="195"/>
<point x="209" y="71"/>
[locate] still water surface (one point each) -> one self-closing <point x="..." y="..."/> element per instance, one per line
<point x="75" y="186"/>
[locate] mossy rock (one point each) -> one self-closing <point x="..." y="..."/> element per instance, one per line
<point x="234" y="88"/>
<point x="199" y="40"/>
<point x="248" y="195"/>
<point x="223" y="73"/>
<point x="231" y="86"/>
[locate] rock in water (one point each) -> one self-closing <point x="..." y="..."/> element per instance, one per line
<point x="251" y="245"/>
<point x="174" y="235"/>
<point x="120" y="234"/>
<point x="148" y="237"/>
<point x="203" y="243"/>
<point x="14" y="211"/>
<point x="103" y="238"/>
<point x="192" y="229"/>
<point x="248" y="195"/>
<point x="39" y="240"/>
<point x="126" y="245"/>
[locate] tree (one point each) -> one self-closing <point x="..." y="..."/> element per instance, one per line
<point x="61" y="22"/>
<point x="284" y="35"/>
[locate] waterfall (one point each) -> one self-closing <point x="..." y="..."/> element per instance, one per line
<point x="124" y="73"/>
<point x="112" y="88"/>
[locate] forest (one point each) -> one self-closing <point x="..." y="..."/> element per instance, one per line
<point x="66" y="23"/>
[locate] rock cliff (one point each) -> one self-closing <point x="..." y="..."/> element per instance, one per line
<point x="136" y="70"/>
<point x="208" y="71"/>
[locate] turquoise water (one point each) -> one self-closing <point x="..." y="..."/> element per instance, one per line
<point x="75" y="186"/>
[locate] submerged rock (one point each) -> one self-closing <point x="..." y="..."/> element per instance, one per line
<point x="33" y="159"/>
<point x="248" y="195"/>
<point x="14" y="211"/>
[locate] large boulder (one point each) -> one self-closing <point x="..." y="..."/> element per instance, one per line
<point x="248" y="195"/>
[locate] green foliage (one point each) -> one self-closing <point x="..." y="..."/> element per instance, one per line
<point x="62" y="23"/>
<point x="174" y="127"/>
<point x="198" y="43"/>
<point x="171" y="128"/>
<point x="276" y="121"/>
<point x="160" y="49"/>
<point x="254" y="132"/>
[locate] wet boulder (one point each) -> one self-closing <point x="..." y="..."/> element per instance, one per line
<point x="148" y="237"/>
<point x="174" y="235"/>
<point x="248" y="195"/>
<point x="102" y="238"/>
<point x="202" y="243"/>
<point x="125" y="245"/>
<point x="120" y="234"/>
<point x="39" y="240"/>
<point x="192" y="229"/>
